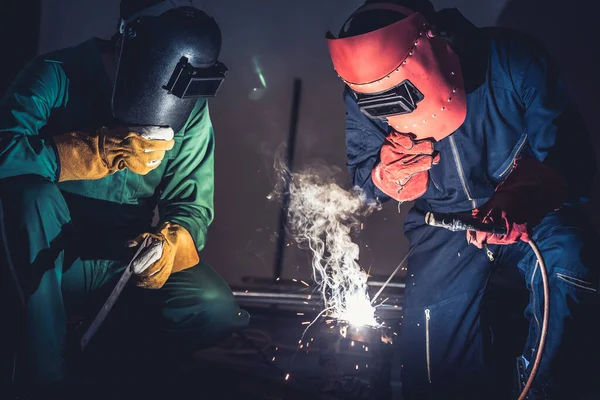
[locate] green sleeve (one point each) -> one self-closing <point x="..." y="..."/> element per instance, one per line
<point x="24" y="110"/>
<point x="188" y="182"/>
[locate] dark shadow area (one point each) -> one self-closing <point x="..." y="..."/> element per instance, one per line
<point x="569" y="32"/>
<point x="19" y="31"/>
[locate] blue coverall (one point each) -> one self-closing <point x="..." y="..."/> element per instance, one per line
<point x="516" y="105"/>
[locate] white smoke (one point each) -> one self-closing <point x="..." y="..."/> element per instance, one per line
<point x="323" y="217"/>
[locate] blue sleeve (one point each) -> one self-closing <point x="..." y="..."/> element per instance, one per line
<point x="364" y="138"/>
<point x="556" y="133"/>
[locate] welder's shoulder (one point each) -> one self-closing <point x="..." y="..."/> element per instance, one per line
<point x="514" y="51"/>
<point x="199" y="121"/>
<point x="353" y="114"/>
<point x="51" y="69"/>
<point x="363" y="134"/>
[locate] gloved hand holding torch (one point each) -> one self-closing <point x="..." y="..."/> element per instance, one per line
<point x="529" y="192"/>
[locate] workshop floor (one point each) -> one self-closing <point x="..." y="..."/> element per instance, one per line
<point x="255" y="367"/>
<point x="267" y="362"/>
<point x="284" y="370"/>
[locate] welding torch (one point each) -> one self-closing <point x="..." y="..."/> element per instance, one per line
<point x="455" y="223"/>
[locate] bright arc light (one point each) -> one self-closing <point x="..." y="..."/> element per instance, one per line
<point x="358" y="311"/>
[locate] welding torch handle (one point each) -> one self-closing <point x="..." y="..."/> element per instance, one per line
<point x="454" y="223"/>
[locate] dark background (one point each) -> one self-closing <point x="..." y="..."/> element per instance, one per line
<point x="286" y="40"/>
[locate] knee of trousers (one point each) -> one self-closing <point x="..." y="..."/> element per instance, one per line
<point x="570" y="260"/>
<point x="204" y="318"/>
<point x="30" y="200"/>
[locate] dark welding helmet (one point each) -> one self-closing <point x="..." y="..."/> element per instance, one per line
<point x="168" y="59"/>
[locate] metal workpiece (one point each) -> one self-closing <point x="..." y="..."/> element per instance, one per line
<point x="337" y="339"/>
<point x="288" y="295"/>
<point x="293" y="302"/>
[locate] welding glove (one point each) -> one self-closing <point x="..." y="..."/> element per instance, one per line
<point x="171" y="249"/>
<point x="402" y="172"/>
<point x="85" y="156"/>
<point x="529" y="192"/>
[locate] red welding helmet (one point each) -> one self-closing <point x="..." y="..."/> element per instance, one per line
<point x="403" y="74"/>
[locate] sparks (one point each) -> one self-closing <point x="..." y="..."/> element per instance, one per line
<point x="273" y="359"/>
<point x="305" y="322"/>
<point x="304" y="283"/>
<point x="300" y="313"/>
<point x="287" y="376"/>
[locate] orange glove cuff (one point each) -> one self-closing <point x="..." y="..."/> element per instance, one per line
<point x="186" y="254"/>
<point x="79" y="157"/>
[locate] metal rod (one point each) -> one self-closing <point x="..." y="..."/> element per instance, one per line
<point x="387" y="284"/>
<point x="292" y="299"/>
<point x="290" y="163"/>
<point x="275" y="295"/>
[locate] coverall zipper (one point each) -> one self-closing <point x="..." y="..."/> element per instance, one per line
<point x="489" y="253"/>
<point x="461" y="173"/>
<point x="427" y="318"/>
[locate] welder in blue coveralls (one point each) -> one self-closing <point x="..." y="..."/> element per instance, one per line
<point x="477" y="121"/>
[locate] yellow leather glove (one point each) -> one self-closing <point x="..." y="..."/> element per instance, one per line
<point x="170" y="250"/>
<point x="85" y="156"/>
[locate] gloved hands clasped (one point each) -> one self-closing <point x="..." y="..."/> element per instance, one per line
<point x="170" y="249"/>
<point x="85" y="156"/>
<point x="529" y="192"/>
<point x="402" y="172"/>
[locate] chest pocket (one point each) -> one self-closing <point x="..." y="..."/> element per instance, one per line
<point x="506" y="166"/>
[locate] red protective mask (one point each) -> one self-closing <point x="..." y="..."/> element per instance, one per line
<point x="403" y="75"/>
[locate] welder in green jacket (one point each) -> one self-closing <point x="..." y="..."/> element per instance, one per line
<point x="93" y="139"/>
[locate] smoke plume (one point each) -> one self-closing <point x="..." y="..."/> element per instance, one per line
<point x="323" y="217"/>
